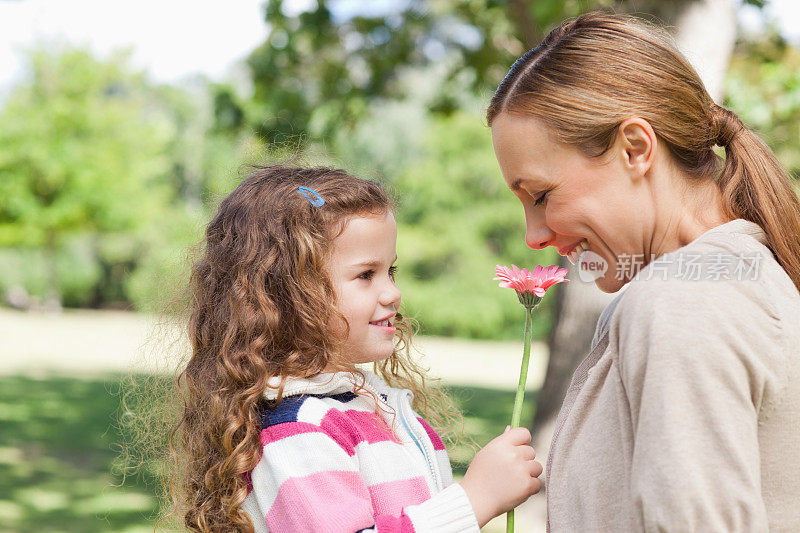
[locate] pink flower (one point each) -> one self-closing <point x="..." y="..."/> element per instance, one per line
<point x="524" y="281"/>
<point x="530" y="287"/>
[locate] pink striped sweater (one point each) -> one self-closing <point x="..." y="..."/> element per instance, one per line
<point x="328" y="466"/>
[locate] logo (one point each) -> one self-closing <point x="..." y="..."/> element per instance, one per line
<point x="591" y="266"/>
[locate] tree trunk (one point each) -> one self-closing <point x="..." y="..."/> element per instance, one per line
<point x="52" y="297"/>
<point x="706" y="34"/>
<point x="520" y="12"/>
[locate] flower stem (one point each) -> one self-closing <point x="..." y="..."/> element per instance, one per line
<point x="523" y="378"/>
<point x="523" y="373"/>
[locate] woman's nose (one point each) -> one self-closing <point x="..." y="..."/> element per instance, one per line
<point x="539" y="237"/>
<point x="537" y="234"/>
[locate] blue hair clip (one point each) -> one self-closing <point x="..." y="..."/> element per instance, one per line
<point x="316" y="201"/>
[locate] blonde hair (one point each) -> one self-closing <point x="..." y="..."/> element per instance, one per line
<point x="594" y="71"/>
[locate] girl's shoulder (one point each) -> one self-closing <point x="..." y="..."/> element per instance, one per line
<point x="305" y="408"/>
<point x="324" y="410"/>
<point x="329" y="406"/>
<point x="327" y="384"/>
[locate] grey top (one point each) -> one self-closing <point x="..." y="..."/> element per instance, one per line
<point x="685" y="415"/>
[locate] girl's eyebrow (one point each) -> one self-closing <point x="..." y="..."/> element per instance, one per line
<point x="374" y="263"/>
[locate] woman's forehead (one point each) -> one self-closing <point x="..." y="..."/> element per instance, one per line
<point x="522" y="141"/>
<point x="530" y="158"/>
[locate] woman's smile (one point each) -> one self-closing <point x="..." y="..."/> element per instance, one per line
<point x="575" y="250"/>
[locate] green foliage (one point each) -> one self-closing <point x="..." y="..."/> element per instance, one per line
<point x="763" y="87"/>
<point x="318" y="72"/>
<point x="457" y="220"/>
<point x="106" y="180"/>
<point x="162" y="274"/>
<point x="79" y="150"/>
<point x="111" y="179"/>
<point x="79" y="270"/>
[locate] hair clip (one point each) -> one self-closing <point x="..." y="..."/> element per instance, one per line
<point x="317" y="201"/>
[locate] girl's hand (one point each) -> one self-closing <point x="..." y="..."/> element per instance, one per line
<point x="502" y="475"/>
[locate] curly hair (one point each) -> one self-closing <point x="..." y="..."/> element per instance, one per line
<point x="261" y="303"/>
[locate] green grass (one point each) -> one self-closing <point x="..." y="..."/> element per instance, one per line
<point x="57" y="451"/>
<point x="487" y="412"/>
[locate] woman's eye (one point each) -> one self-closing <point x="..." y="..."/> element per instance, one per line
<point x="367" y="274"/>
<point x="540" y="199"/>
<point x="392" y="271"/>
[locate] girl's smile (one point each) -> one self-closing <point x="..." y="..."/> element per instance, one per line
<point x="385" y="324"/>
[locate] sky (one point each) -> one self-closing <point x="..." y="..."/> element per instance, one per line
<point x="176" y="39"/>
<point x="171" y="38"/>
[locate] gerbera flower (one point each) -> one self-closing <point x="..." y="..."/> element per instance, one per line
<point x="530" y="286"/>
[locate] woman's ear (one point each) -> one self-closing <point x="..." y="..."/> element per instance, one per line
<point x="637" y="145"/>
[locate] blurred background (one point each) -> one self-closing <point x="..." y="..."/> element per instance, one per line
<point x="123" y="124"/>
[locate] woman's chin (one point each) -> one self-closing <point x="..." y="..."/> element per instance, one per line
<point x="609" y="283"/>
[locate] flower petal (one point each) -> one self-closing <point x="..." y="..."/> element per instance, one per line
<point x="525" y="281"/>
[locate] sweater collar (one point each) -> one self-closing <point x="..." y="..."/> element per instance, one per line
<point x="327" y="383"/>
<point x="741" y="226"/>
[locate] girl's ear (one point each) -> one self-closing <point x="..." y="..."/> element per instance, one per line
<point x="636" y="143"/>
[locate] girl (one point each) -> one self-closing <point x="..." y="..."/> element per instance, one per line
<point x="281" y="431"/>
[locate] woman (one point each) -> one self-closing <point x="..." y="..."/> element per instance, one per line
<point x="685" y="415"/>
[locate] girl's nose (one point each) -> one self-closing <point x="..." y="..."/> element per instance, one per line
<point x="391" y="294"/>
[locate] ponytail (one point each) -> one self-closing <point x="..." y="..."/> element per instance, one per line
<point x="756" y="187"/>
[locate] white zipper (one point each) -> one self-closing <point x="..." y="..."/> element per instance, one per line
<point x="422" y="443"/>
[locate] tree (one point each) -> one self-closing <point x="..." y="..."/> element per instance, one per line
<point x="80" y="151"/>
<point x="318" y="71"/>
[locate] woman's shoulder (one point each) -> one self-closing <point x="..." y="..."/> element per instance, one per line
<point x="724" y="291"/>
<point x="694" y="306"/>
<point x="722" y="283"/>
<point x="728" y="268"/>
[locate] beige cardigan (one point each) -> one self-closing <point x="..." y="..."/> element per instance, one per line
<point x="685" y="415"/>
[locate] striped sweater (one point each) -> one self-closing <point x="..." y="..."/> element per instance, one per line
<point x="329" y="465"/>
